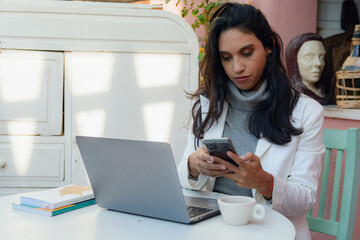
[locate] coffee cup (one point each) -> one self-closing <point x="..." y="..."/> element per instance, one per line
<point x="238" y="210"/>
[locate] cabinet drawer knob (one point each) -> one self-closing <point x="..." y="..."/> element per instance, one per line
<point x="2" y="163"/>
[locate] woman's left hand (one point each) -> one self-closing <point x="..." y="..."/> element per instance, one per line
<point x="249" y="174"/>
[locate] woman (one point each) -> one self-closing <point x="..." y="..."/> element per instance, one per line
<point x="246" y="95"/>
<point x="305" y="61"/>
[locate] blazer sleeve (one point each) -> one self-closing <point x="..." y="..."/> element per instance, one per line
<point x="204" y="183"/>
<point x="296" y="194"/>
<point x="183" y="171"/>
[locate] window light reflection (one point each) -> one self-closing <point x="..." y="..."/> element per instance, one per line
<point x="158" y="118"/>
<point x="22" y="126"/>
<point x="22" y="155"/>
<point x="21" y="79"/>
<point x="91" y="122"/>
<point x="91" y="80"/>
<point x="157" y="70"/>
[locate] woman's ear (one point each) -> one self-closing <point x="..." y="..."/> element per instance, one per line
<point x="269" y="56"/>
<point x="267" y="49"/>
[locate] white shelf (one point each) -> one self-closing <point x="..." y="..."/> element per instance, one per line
<point x="332" y="111"/>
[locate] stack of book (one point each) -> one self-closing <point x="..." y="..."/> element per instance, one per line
<point x="56" y="201"/>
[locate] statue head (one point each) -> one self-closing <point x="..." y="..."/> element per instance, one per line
<point x="305" y="61"/>
<point x="311" y="61"/>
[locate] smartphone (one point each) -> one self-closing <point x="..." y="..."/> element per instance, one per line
<point x="219" y="146"/>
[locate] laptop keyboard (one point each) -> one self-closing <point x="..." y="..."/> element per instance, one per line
<point x="196" y="211"/>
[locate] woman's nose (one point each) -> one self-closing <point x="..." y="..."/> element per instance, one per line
<point x="238" y="66"/>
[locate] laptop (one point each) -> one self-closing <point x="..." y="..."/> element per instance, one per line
<point x="140" y="177"/>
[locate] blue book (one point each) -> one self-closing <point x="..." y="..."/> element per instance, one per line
<point x="52" y="212"/>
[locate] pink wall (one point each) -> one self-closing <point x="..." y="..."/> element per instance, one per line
<point x="337" y="123"/>
<point x="288" y="18"/>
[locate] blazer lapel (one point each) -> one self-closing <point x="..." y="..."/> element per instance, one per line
<point x="262" y="146"/>
<point x="217" y="129"/>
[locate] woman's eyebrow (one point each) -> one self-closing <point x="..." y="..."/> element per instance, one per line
<point x="241" y="49"/>
<point x="246" y="46"/>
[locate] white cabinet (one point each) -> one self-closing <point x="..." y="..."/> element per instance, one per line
<point x="31" y="164"/>
<point x="101" y="69"/>
<point x="31" y="118"/>
<point x="31" y="92"/>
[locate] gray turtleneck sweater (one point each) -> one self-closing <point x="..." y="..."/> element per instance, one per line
<point x="241" y="105"/>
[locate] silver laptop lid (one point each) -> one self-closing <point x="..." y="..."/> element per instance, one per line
<point x="136" y="177"/>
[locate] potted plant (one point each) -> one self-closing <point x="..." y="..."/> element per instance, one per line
<point x="200" y="9"/>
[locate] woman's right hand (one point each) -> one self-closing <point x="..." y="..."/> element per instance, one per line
<point x="201" y="162"/>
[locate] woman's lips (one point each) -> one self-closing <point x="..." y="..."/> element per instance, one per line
<point x="242" y="78"/>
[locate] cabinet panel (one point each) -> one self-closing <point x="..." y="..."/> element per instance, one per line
<point x="23" y="164"/>
<point x="31" y="92"/>
<point x="130" y="95"/>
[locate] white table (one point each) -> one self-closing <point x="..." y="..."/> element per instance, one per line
<point x="94" y="222"/>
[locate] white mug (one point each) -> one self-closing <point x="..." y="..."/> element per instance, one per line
<point x="238" y="210"/>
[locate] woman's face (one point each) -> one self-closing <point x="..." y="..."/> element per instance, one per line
<point x="243" y="58"/>
<point x="311" y="61"/>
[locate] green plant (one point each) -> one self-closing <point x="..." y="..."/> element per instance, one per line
<point x="200" y="9"/>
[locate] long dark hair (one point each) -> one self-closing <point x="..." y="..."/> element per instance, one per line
<point x="271" y="118"/>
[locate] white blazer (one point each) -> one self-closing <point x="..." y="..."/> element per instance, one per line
<point x="296" y="166"/>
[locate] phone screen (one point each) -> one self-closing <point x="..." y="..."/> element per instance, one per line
<point x="219" y="146"/>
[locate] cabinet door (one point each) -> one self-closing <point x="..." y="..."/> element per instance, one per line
<point x="31" y="92"/>
<point x="27" y="161"/>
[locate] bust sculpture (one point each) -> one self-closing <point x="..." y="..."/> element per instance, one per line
<point x="305" y="61"/>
